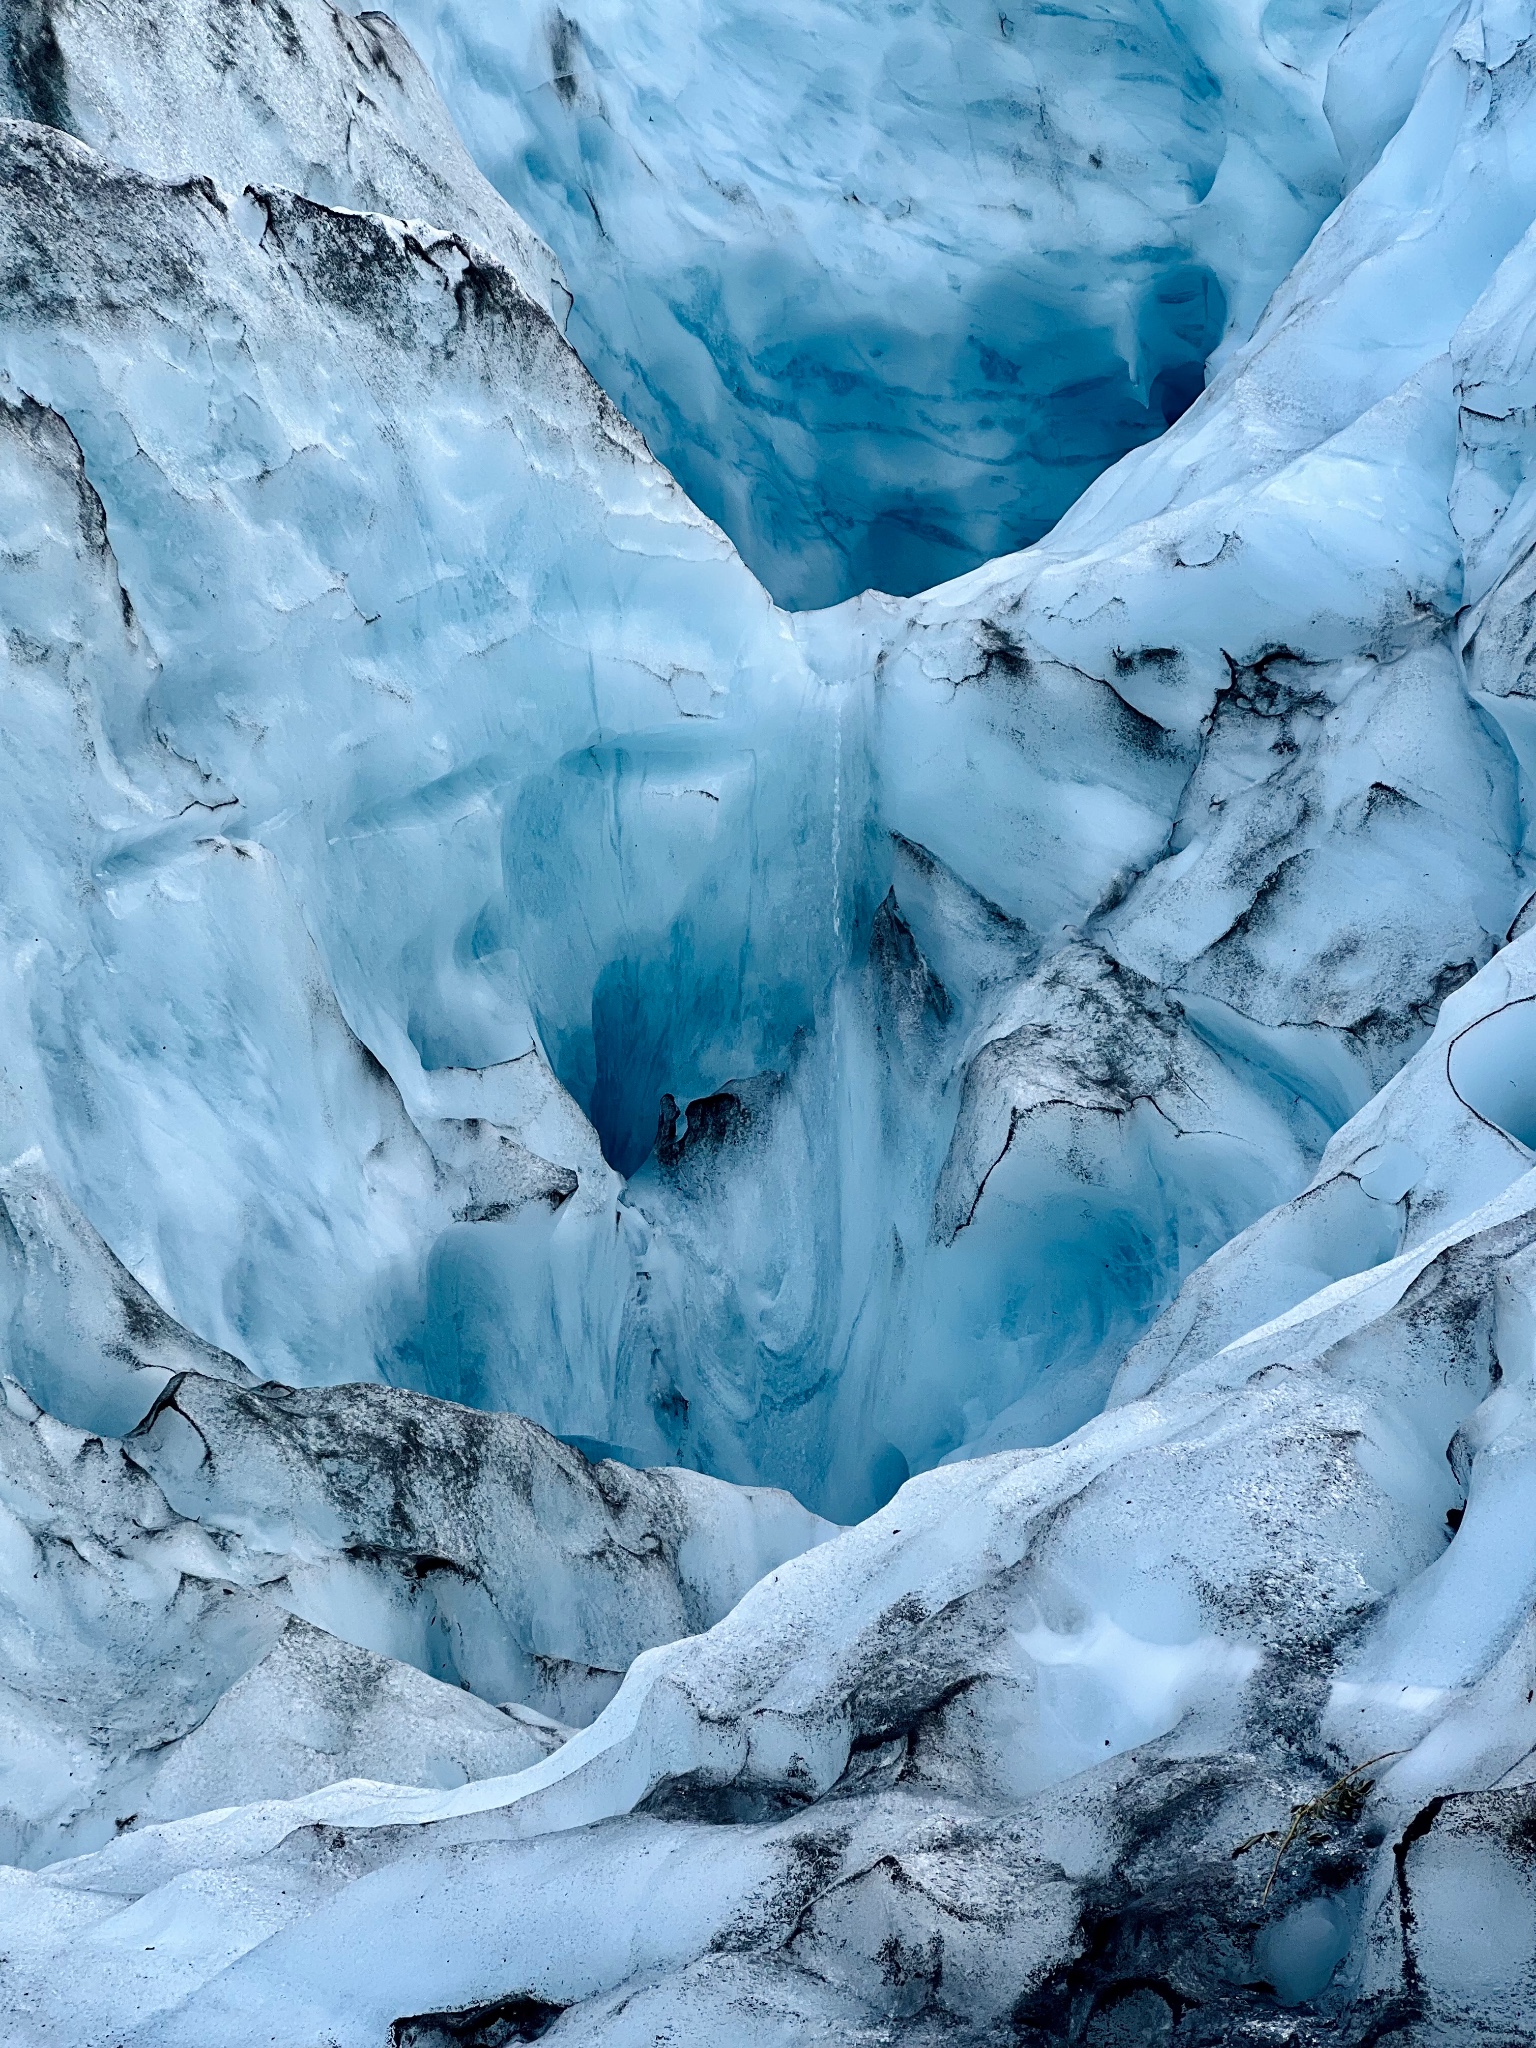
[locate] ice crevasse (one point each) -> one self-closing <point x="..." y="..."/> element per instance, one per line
<point x="763" y="1325"/>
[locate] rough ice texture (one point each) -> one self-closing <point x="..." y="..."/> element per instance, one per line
<point x="515" y="1050"/>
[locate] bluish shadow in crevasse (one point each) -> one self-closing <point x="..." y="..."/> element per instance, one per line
<point x="1181" y="321"/>
<point x="888" y="288"/>
<point x="896" y="458"/>
<point x="672" y="927"/>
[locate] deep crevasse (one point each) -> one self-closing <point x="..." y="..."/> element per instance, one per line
<point x="886" y="287"/>
<point x="459" y="933"/>
<point x="583" y="798"/>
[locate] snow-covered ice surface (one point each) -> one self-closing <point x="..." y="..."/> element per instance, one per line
<point x="535" y="1084"/>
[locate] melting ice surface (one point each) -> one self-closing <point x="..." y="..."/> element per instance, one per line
<point x="1039" y="1070"/>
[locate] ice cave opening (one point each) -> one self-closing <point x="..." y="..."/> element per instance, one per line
<point x="673" y="908"/>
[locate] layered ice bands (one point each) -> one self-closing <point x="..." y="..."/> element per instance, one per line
<point x="759" y="1326"/>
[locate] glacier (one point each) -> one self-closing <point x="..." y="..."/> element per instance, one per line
<point x="767" y="1148"/>
<point x="886" y="286"/>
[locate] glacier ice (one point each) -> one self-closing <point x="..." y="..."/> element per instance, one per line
<point x="885" y="286"/>
<point x="200" y="1579"/>
<point x="538" y="1084"/>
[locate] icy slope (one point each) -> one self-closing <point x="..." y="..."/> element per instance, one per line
<point x="153" y="1656"/>
<point x="887" y="285"/>
<point x="459" y="934"/>
<point x="301" y="95"/>
<point x="291" y="831"/>
<point x="1018" y="1756"/>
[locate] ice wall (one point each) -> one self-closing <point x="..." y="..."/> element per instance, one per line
<point x="887" y="286"/>
<point x="277" y="963"/>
